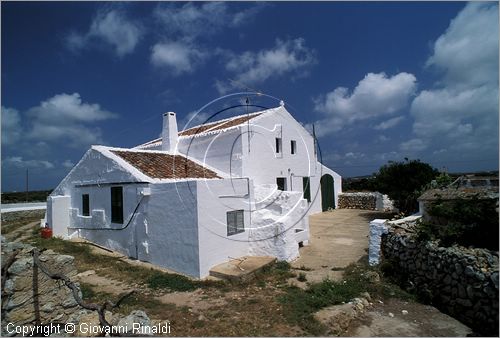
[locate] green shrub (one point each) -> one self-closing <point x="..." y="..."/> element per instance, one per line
<point x="302" y="277"/>
<point x="466" y="222"/>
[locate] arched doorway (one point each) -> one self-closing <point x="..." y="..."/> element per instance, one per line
<point x="327" y="192"/>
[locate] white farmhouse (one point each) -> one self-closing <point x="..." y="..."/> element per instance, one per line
<point x="197" y="198"/>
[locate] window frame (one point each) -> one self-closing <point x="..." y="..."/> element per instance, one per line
<point x="232" y="218"/>
<point x="116" y="204"/>
<point x="85" y="204"/>
<point x="279" y="145"/>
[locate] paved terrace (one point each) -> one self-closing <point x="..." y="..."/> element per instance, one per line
<point x="337" y="239"/>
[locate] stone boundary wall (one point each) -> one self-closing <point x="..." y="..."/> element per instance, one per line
<point x="459" y="281"/>
<point x="358" y="200"/>
<point x="365" y="201"/>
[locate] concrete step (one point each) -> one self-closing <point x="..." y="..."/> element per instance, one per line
<point x="241" y="269"/>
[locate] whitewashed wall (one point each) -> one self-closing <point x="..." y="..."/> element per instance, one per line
<point x="263" y="164"/>
<point x="221" y="151"/>
<point x="171" y="230"/>
<point x="215" y="199"/>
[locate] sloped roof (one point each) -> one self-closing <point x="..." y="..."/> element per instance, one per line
<point x="165" y="166"/>
<point x="212" y="127"/>
<point x="219" y="125"/>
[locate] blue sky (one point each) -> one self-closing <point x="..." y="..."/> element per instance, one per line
<point x="380" y="81"/>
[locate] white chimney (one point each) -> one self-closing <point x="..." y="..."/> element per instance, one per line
<point x="169" y="132"/>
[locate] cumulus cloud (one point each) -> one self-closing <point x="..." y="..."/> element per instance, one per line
<point x="111" y="27"/>
<point x="11" y="126"/>
<point x="290" y="57"/>
<point x="375" y="96"/>
<point x="194" y="20"/>
<point x="177" y="57"/>
<point x="19" y="162"/>
<point x="184" y="27"/>
<point x="461" y="113"/>
<point x="68" y="164"/>
<point x="390" y="123"/>
<point x="413" y="145"/>
<point x="66" y="117"/>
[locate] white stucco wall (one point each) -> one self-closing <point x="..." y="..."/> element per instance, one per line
<point x="222" y="151"/>
<point x="215" y="199"/>
<point x="171" y="229"/>
<point x="275" y="224"/>
<point x="263" y="164"/>
<point x="58" y="216"/>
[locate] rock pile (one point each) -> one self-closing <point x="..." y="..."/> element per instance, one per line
<point x="462" y="282"/>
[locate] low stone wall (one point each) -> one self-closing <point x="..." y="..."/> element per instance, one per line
<point x="459" y="281"/>
<point x="358" y="200"/>
<point x="365" y="201"/>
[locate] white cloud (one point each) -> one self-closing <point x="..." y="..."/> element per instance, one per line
<point x="194" y="118"/>
<point x="178" y="57"/>
<point x="468" y="51"/>
<point x="390" y="123"/>
<point x="68" y="164"/>
<point x="19" y="162"/>
<point x="111" y="27"/>
<point x="290" y="57"/>
<point x="413" y="145"/>
<point x="11" y="125"/>
<point x="65" y="117"/>
<point x="193" y="20"/>
<point x="376" y="95"/>
<point x="461" y="113"/>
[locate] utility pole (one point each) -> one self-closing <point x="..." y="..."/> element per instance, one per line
<point x="27" y="180"/>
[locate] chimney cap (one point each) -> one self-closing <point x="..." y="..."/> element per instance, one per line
<point x="169" y="113"/>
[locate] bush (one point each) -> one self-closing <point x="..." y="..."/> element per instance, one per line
<point x="403" y="182"/>
<point x="466" y="222"/>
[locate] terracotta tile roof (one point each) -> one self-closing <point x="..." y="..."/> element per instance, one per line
<point x="158" y="165"/>
<point x="219" y="125"/>
<point x="207" y="127"/>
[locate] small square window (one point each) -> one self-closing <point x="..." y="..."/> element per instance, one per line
<point x="293" y="147"/>
<point x="278" y="145"/>
<point x="235" y="222"/>
<point x="85" y="205"/>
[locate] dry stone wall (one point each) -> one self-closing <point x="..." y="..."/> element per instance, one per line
<point x="366" y="201"/>
<point x="358" y="200"/>
<point x="461" y="282"/>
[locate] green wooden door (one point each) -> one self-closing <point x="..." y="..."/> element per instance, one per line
<point x="327" y="192"/>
